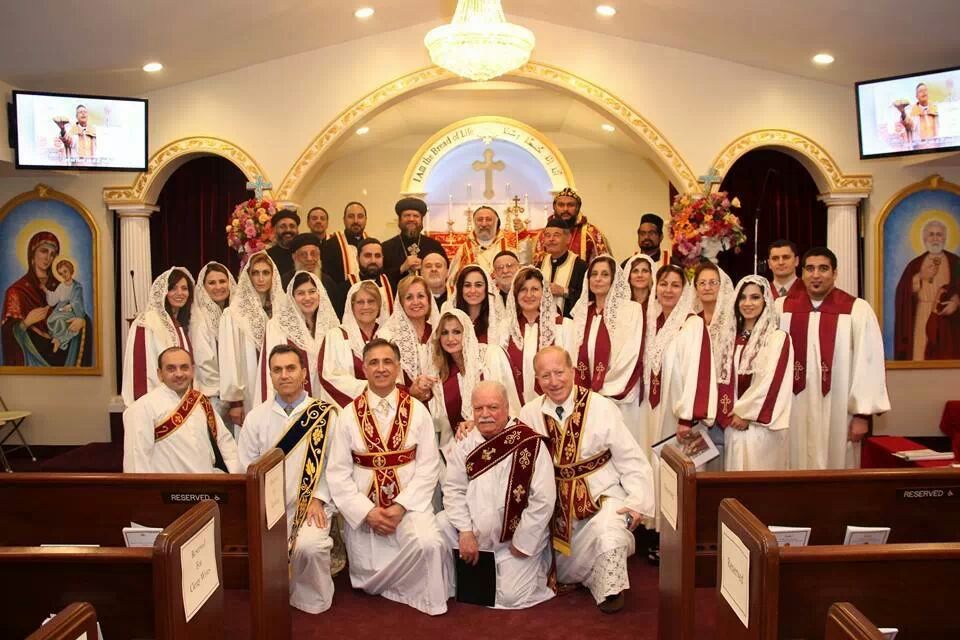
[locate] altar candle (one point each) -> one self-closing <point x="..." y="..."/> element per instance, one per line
<point x="450" y="207"/>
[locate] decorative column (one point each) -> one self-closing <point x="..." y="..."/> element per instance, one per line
<point x="135" y="260"/>
<point x="842" y="236"/>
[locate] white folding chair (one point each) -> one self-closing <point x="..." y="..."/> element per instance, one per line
<point x="13" y="420"/>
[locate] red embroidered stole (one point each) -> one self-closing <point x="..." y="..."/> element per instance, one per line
<point x="190" y="401"/>
<point x="384" y="458"/>
<point x="452" y="400"/>
<point x="728" y="393"/>
<point x="515" y="356"/>
<point x="570" y="471"/>
<point x="587" y="377"/>
<point x="798" y="304"/>
<point x="655" y="376"/>
<point x="523" y="443"/>
<point x="344" y="256"/>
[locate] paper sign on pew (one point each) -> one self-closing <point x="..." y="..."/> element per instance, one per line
<point x="888" y="633"/>
<point x="137" y="535"/>
<point x="198" y="569"/>
<point x="866" y="535"/>
<point x="735" y="573"/>
<point x="668" y="494"/>
<point x="791" y="536"/>
<point x="273" y="487"/>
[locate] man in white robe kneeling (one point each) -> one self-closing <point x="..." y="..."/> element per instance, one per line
<point x="499" y="495"/>
<point x="604" y="481"/>
<point x="301" y="427"/>
<point x="384" y="466"/>
<point x="174" y="428"/>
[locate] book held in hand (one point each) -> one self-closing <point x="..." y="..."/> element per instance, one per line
<point x="696" y="445"/>
<point x="477" y="584"/>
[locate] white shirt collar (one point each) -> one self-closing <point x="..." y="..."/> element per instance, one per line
<point x="549" y="407"/>
<point x="373" y="400"/>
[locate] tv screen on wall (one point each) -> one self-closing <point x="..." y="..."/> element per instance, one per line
<point x="916" y="113"/>
<point x="60" y="131"/>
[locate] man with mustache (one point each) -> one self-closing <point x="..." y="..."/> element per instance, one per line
<point x="927" y="325"/>
<point x="370" y="267"/>
<point x="174" y="428"/>
<point x="586" y="240"/>
<point x="502" y="464"/>
<point x="839" y="378"/>
<point x="286" y="225"/>
<point x="339" y="252"/>
<point x="487" y="240"/>
<point x="403" y="253"/>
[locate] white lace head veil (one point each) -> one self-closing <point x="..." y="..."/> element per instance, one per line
<point x="155" y="316"/>
<point x="292" y="321"/>
<point x="497" y="314"/>
<point x="399" y="329"/>
<point x="546" y="321"/>
<point x="618" y="295"/>
<point x="631" y="263"/>
<point x="350" y="324"/>
<point x="205" y="311"/>
<point x="657" y="342"/>
<point x="722" y="327"/>
<point x="472" y="359"/>
<point x="245" y="303"/>
<point x="766" y="325"/>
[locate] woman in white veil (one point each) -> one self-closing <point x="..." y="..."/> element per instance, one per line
<point x="210" y="298"/>
<point x="476" y="295"/>
<point x="410" y="327"/>
<point x="304" y="318"/>
<point x="243" y="326"/>
<point x="341" y="354"/>
<point x="163" y="324"/>
<point x="755" y="406"/>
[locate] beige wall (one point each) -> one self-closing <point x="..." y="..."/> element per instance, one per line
<point x="275" y="109"/>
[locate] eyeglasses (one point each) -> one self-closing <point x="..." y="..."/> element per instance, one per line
<point x="703" y="284"/>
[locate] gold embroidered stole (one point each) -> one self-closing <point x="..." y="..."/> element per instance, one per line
<point x="571" y="471"/>
<point x="562" y="276"/>
<point x="523" y="443"/>
<point x="384" y="459"/>
<point x="310" y="424"/>
<point x="190" y="401"/>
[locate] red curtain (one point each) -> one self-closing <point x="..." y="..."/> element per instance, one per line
<point x="195" y="204"/>
<point x="788" y="208"/>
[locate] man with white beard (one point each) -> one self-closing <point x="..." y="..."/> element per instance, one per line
<point x="486" y="241"/>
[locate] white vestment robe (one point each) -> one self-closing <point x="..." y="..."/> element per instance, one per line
<point x="524" y="377"/>
<point x="478" y="505"/>
<point x="206" y="358"/>
<point x="471" y="251"/>
<point x="340" y="374"/>
<point x="311" y="587"/>
<point x="413" y="565"/>
<point x="829" y="392"/>
<point x="240" y="353"/>
<point x="185" y="450"/>
<point x="276" y="335"/>
<point x="144" y="346"/>
<point x="765" y="403"/>
<point x="601" y="543"/>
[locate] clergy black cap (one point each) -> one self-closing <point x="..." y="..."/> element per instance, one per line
<point x="654" y="219"/>
<point x="303" y="240"/>
<point x="411" y="204"/>
<point x="285" y="213"/>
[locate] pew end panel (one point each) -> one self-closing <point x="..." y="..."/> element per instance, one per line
<point x="845" y="622"/>
<point x="675" y="620"/>
<point x="76" y="619"/>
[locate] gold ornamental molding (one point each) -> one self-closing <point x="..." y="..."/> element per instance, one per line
<point x="822" y="166"/>
<point x="633" y="123"/>
<point x="147" y="185"/>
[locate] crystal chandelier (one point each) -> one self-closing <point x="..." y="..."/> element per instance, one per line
<point x="479" y="44"/>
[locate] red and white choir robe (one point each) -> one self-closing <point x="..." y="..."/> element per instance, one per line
<point x="166" y="433"/>
<point x="599" y="469"/>
<point x="763" y="399"/>
<point x="451" y="402"/>
<point x="838" y="372"/>
<point x="205" y="334"/>
<point x="796" y="285"/>
<point x="239" y="347"/>
<point x="348" y="254"/>
<point x="149" y="336"/>
<point x="393" y="458"/>
<point x="387" y="294"/>
<point x="685" y="389"/>
<point x="507" y="498"/>
<point x="340" y="368"/>
<point x="612" y="365"/>
<point x="471" y="251"/>
<point x="521" y="360"/>
<point x="309" y="354"/>
<point x="303" y="436"/>
<point x="413" y="351"/>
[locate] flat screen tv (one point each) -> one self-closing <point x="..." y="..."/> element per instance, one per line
<point x="60" y="131"/>
<point x="916" y="113"/>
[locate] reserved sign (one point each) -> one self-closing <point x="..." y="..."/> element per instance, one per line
<point x="273" y="483"/>
<point x="192" y="497"/>
<point x="929" y="493"/>
<point x="198" y="569"/>
<point x="668" y="493"/>
<point x="735" y="573"/>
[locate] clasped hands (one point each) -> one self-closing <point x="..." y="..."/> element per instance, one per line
<point x="422" y="387"/>
<point x="385" y="520"/>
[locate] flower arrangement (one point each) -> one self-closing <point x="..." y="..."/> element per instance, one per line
<point x="703" y="225"/>
<point x="249" y="229"/>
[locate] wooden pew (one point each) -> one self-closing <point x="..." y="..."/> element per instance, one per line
<point x="77" y="620"/>
<point x="827" y="501"/>
<point x="138" y="593"/>
<point x="69" y="508"/>
<point x="845" y="622"/>
<point x="788" y="590"/>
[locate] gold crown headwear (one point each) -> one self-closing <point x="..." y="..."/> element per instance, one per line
<point x="570" y="193"/>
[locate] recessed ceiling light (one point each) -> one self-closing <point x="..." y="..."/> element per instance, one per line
<point x="609" y="128"/>
<point x="823" y="58"/>
<point x="362" y="131"/>
<point x="363" y="12"/>
<point x="606" y="11"/>
<point x="152" y="67"/>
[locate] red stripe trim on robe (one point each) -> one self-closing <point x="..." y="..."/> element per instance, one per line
<point x="593" y="378"/>
<point x="725" y="392"/>
<point x="798" y="304"/>
<point x="338" y="396"/>
<point x="701" y="401"/>
<point x="139" y="363"/>
<point x="452" y="400"/>
<point x="655" y="375"/>
<point x="515" y="356"/>
<point x="264" y="356"/>
<point x="766" y="411"/>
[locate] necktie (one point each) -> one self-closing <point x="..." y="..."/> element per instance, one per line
<point x="288" y="408"/>
<point x="560" y="413"/>
<point x="783" y="291"/>
<point x="383" y="408"/>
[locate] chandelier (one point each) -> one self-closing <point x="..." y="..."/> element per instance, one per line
<point x="479" y="44"/>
